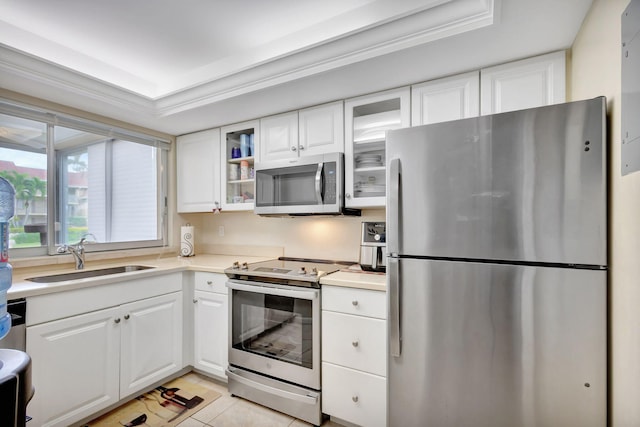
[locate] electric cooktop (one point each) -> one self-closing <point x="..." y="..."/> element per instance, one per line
<point x="285" y="270"/>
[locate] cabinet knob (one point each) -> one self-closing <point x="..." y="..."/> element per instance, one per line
<point x="294" y="148"/>
<point x="209" y="282"/>
<point x="355" y="343"/>
<point x="348" y="195"/>
<point x="354" y="302"/>
<point x="301" y="147"/>
<point x="195" y="300"/>
<point x="117" y="320"/>
<point x="126" y="317"/>
<point x="355" y="399"/>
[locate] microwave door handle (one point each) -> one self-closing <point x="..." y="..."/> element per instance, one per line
<point x="319" y="183"/>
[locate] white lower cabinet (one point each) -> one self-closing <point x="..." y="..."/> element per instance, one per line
<point x="354" y="348"/>
<point x="75" y="367"/>
<point x="151" y="341"/>
<point x="210" y="324"/>
<point x="86" y="362"/>
<point x="354" y="396"/>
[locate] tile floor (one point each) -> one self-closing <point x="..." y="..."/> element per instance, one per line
<point x="227" y="411"/>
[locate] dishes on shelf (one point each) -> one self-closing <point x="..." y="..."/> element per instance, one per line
<point x="368" y="160"/>
<point x="369" y="189"/>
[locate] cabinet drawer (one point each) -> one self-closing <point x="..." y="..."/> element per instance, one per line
<point x="354" y="396"/>
<point x="361" y="302"/>
<point x="355" y="342"/>
<point x="210" y="282"/>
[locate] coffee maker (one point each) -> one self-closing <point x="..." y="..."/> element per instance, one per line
<point x="373" y="246"/>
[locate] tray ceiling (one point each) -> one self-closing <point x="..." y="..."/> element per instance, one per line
<point x="157" y="59"/>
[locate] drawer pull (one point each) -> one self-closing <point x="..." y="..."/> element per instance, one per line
<point x="354" y="302"/>
<point x="195" y="300"/>
<point x="354" y="343"/>
<point x="355" y="399"/>
<point x="209" y="282"/>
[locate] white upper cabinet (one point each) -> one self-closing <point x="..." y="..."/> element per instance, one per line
<point x="367" y="119"/>
<point x="321" y="129"/>
<point x="450" y="98"/>
<point x="314" y="130"/>
<point x="279" y="137"/>
<point x="532" y="82"/>
<point x="198" y="171"/>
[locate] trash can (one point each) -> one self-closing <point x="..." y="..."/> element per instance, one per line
<point x="16" y="389"/>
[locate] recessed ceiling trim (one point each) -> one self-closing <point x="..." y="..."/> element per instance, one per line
<point x="447" y="19"/>
<point x="444" y="21"/>
<point x="17" y="64"/>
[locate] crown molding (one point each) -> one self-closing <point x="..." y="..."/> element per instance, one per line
<point x="445" y="20"/>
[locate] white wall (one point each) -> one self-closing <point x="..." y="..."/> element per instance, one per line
<point x="595" y="71"/>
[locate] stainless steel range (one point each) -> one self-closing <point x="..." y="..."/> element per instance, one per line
<point x="274" y="334"/>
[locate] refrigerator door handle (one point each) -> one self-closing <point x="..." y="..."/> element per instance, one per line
<point x="393" y="207"/>
<point x="395" y="338"/>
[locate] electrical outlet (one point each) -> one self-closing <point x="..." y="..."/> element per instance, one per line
<point x="221" y="230"/>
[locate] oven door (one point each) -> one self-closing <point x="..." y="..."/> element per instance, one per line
<point x="275" y="330"/>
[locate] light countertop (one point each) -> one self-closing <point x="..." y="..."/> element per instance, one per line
<point x="22" y="288"/>
<point x="356" y="279"/>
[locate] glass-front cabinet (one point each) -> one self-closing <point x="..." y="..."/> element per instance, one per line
<point x="367" y="118"/>
<point x="239" y="145"/>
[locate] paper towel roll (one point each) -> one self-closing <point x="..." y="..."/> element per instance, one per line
<point x="186" y="241"/>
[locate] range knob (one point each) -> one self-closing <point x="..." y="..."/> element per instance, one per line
<point x="314" y="271"/>
<point x="302" y="270"/>
<point x="245" y="266"/>
<point x="236" y="265"/>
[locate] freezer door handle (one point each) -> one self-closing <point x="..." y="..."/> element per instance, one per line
<point x="393" y="223"/>
<point x="395" y="337"/>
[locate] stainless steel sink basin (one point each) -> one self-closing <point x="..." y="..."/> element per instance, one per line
<point x="82" y="274"/>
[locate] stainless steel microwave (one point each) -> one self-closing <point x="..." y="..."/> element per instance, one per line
<point x="310" y="185"/>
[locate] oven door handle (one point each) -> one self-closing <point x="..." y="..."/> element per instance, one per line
<point x="309" y="398"/>
<point x="268" y="290"/>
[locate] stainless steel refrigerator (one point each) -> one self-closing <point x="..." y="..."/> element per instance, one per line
<point x="497" y="270"/>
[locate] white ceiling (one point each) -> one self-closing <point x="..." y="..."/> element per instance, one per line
<point x="181" y="66"/>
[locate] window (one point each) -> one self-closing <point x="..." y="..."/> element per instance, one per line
<point x="100" y="183"/>
<point x="23" y="162"/>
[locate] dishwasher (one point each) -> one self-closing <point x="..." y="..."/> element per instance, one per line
<point x="16" y="389"/>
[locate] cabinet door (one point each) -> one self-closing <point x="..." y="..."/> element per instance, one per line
<point x="354" y="341"/>
<point x="533" y="82"/>
<point x="367" y="118"/>
<point x="354" y="396"/>
<point x="151" y="341"/>
<point x="211" y="332"/>
<point x="75" y="363"/>
<point x="321" y="129"/>
<point x="279" y="137"/>
<point x="237" y="190"/>
<point x="197" y="169"/>
<point x="441" y="100"/>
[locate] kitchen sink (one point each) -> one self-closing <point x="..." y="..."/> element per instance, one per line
<point x="82" y="274"/>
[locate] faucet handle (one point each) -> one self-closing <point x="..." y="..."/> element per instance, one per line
<point x="61" y="249"/>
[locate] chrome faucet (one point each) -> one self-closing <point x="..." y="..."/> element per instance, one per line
<point x="77" y="250"/>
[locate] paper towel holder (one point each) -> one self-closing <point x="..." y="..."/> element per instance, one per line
<point x="187" y="241"/>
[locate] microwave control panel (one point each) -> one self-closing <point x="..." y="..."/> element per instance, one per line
<point x="330" y="183"/>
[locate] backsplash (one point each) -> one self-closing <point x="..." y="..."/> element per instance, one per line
<point x="335" y="238"/>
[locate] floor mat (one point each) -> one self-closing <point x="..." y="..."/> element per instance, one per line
<point x="165" y="406"/>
